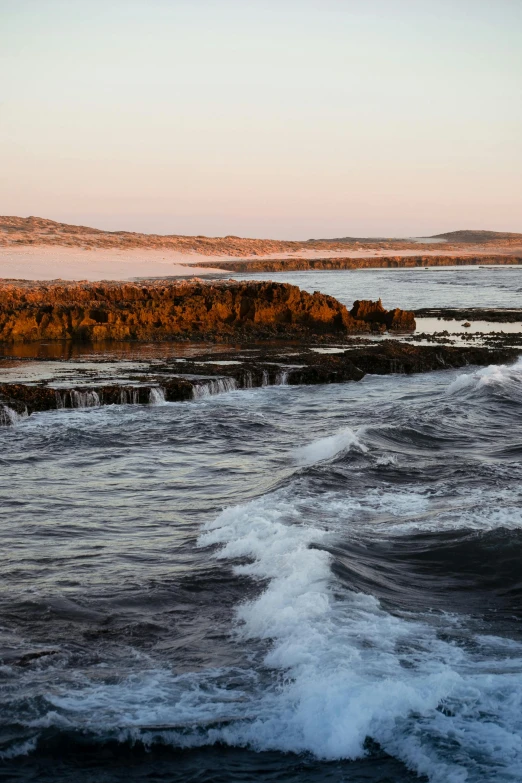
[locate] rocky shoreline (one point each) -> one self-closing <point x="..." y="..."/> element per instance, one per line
<point x="189" y="310"/>
<point x="272" y="334"/>
<point x="175" y="380"/>
<point x="373" y="262"/>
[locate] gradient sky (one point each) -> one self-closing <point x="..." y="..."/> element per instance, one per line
<point x="288" y="118"/>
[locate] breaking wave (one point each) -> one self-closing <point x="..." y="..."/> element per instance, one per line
<point x="326" y="448"/>
<point x="501" y="379"/>
<point x="364" y="598"/>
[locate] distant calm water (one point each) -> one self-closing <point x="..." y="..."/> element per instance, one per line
<point x="495" y="286"/>
<point x="283" y="584"/>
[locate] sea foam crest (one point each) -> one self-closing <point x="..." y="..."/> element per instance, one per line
<point x="351" y="670"/>
<point x="496" y="375"/>
<point x="329" y="447"/>
<point x="336" y="654"/>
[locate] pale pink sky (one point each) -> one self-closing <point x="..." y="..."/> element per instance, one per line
<point x="291" y="119"/>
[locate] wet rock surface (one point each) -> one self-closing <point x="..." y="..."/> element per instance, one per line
<point x="494" y="328"/>
<point x="222" y="336"/>
<point x="212" y="372"/>
<point x="494" y="314"/>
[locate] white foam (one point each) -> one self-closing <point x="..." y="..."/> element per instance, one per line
<point x="352" y="669"/>
<point x="494" y="375"/>
<point x="344" y="670"/>
<point x="327" y="448"/>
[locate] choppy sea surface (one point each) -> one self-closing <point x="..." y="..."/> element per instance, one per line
<point x="297" y="584"/>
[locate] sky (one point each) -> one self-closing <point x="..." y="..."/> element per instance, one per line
<point x="288" y="119"/>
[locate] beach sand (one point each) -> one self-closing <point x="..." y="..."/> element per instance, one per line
<point x="44" y="262"/>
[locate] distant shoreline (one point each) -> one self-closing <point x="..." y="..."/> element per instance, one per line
<point x="383" y="262"/>
<point x="76" y="264"/>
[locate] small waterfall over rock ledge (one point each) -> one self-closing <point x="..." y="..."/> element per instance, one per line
<point x="113" y="395"/>
<point x="72" y="398"/>
<point x="33" y="388"/>
<point x="210" y="387"/>
<point x="129" y="395"/>
<point x="157" y="396"/>
<point x="214" y="386"/>
<point x="10" y="417"/>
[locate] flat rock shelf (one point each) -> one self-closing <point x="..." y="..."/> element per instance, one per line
<point x="30" y="386"/>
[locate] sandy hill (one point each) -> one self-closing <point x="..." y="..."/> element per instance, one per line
<point x="474" y="236"/>
<point x="40" y="231"/>
<point x="35" y="248"/>
<point x="16" y="231"/>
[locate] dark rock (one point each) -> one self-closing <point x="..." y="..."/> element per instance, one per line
<point x="375" y="314"/>
<point x="494" y="314"/>
<point x="209" y="373"/>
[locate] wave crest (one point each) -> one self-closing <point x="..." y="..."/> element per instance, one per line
<point x="328" y="448"/>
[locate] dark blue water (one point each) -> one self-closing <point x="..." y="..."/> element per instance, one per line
<point x="280" y="584"/>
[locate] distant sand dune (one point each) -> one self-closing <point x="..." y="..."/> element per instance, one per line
<point x="39" y="249"/>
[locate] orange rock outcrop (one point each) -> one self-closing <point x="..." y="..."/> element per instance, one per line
<point x="166" y="310"/>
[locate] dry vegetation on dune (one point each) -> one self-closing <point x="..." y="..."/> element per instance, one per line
<point x="17" y="231"/>
<point x="39" y="231"/>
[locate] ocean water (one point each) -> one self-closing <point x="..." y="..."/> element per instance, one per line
<point x="291" y="584"/>
<point x="284" y="584"/>
<point x="469" y="286"/>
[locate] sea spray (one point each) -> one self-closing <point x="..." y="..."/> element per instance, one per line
<point x="350" y="670"/>
<point x="336" y="653"/>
